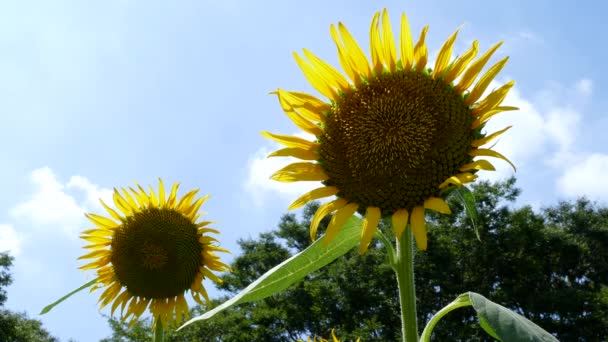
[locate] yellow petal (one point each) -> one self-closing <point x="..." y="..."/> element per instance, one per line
<point x="490" y="153"/>
<point x="369" y="227"/>
<point x="153" y="198"/>
<point x="388" y="43"/>
<point x="161" y="193"/>
<point x="484" y="81"/>
<point x="345" y="62"/>
<point x="399" y="221"/>
<point x="483" y="117"/>
<point x="407" y="44"/>
<point x="459" y="179"/>
<point x="190" y="212"/>
<point x="173" y="195"/>
<point x="141" y="196"/>
<point x="103" y="232"/>
<point x="186" y="200"/>
<point x="95" y="254"/>
<point x="338" y="220"/>
<point x="418" y="225"/>
<point x="354" y="51"/>
<point x="104" y="260"/>
<point x="101" y="221"/>
<point x="478" y="165"/>
<point x="95" y="239"/>
<point x="129" y="199"/>
<point x="121" y="203"/>
<point x="315" y="107"/>
<point x="300" y="172"/>
<point x="323" y="211"/>
<point x="112" y="212"/>
<point x="325" y="191"/>
<point x="125" y="295"/>
<point x="420" y="51"/>
<point x="437" y="204"/>
<point x="461" y="63"/>
<point x="97" y="246"/>
<point x="315" y="78"/>
<point x="182" y="309"/>
<point x="494" y="99"/>
<point x="298" y="119"/>
<point x="331" y="75"/>
<point x="295" y="152"/>
<point x="376" y="45"/>
<point x="333" y="336"/>
<point x="291" y="141"/>
<point x="109" y="294"/>
<point x="445" y="54"/>
<point x="472" y="72"/>
<point x="489" y="138"/>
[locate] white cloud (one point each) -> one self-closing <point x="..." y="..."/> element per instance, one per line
<point x="544" y="129"/>
<point x="10" y="240"/>
<point x="258" y="183"/>
<point x="55" y="205"/>
<point x="588" y="177"/>
<point x="584" y="87"/>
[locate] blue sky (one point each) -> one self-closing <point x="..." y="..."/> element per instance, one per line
<point x="95" y="95"/>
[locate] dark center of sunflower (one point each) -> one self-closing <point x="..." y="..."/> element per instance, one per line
<point x="394" y="140"/>
<point x="156" y="253"/>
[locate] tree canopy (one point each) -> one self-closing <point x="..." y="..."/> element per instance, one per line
<point x="15" y="326"/>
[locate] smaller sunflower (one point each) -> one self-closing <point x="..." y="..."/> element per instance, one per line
<point x="151" y="252"/>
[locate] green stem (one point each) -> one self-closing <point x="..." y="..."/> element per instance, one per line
<point x="404" y="268"/>
<point x="159" y="331"/>
<point x="462" y="300"/>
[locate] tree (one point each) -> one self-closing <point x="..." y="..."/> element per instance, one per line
<point x="6" y="261"/>
<point x="549" y="265"/>
<point x="17" y="327"/>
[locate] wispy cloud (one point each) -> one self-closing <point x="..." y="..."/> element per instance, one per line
<point x="54" y="204"/>
<point x="10" y="240"/>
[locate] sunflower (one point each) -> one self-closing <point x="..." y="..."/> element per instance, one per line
<point x="151" y="252"/>
<point x="394" y="136"/>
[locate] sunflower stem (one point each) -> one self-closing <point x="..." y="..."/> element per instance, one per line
<point x="404" y="268"/>
<point x="159" y="331"/>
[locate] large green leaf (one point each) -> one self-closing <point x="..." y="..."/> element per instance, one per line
<point x="506" y="324"/>
<point x="58" y="301"/>
<point x="293" y="269"/>
<point x="498" y="321"/>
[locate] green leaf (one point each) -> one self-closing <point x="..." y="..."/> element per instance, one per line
<point x="50" y="306"/>
<point x="470" y="206"/>
<point x="293" y="269"/>
<point x="486" y="326"/>
<point x="506" y="324"/>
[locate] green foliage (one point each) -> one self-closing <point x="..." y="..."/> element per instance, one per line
<point x="6" y="261"/>
<point x="17" y="327"/>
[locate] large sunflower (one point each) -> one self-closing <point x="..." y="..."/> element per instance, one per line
<point x="394" y="135"/>
<point x="152" y="252"/>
